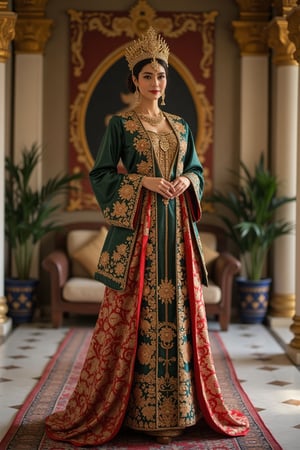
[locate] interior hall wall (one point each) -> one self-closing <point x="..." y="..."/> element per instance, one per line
<point x="56" y="107"/>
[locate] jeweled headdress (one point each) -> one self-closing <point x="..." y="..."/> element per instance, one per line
<point x="149" y="45"/>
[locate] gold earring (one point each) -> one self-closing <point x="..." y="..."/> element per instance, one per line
<point x="137" y="96"/>
<point x="163" y="99"/>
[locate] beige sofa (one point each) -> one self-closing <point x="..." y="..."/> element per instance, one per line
<point x="71" y="266"/>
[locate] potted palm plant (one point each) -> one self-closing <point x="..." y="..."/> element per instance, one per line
<point x="248" y="212"/>
<point x="27" y="219"/>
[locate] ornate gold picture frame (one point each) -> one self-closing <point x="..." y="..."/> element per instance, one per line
<point x="98" y="80"/>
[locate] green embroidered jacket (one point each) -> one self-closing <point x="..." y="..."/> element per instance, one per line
<point x="121" y="195"/>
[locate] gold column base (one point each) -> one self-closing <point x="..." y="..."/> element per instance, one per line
<point x="3" y="310"/>
<point x="295" y="328"/>
<point x="282" y="305"/>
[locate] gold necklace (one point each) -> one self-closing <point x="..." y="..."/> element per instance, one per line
<point x="152" y="120"/>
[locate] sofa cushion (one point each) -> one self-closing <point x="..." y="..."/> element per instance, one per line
<point x="210" y="255"/>
<point x="84" y="247"/>
<point x="212" y="293"/>
<point x="83" y="289"/>
<point x="75" y="240"/>
<point x="209" y="240"/>
<point x="88" y="253"/>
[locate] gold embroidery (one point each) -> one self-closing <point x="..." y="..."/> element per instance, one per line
<point x="130" y="125"/>
<point x="165" y="150"/>
<point x="123" y="213"/>
<point x="126" y="192"/>
<point x="104" y="259"/>
<point x="166" y="291"/>
<point x="119" y="209"/>
<point x="163" y="394"/>
<point x="141" y="145"/>
<point x="144" y="168"/>
<point x="114" y="266"/>
<point x="167" y="334"/>
<point x="145" y="354"/>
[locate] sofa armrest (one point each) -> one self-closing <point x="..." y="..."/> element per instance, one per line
<point x="57" y="264"/>
<point x="225" y="268"/>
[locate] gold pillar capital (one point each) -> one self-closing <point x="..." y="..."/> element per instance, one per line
<point x="293" y="19"/>
<point x="278" y="40"/>
<point x="33" y="29"/>
<point x="249" y="29"/>
<point x="250" y="37"/>
<point x="7" y="32"/>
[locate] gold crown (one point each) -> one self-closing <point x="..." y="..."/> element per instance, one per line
<point x="149" y="45"/>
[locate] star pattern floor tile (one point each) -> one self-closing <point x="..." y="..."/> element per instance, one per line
<point x="267" y="375"/>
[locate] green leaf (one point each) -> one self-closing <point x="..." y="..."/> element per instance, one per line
<point x="248" y="212"/>
<point x="28" y="212"/>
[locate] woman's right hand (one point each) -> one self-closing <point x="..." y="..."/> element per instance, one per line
<point x="160" y="186"/>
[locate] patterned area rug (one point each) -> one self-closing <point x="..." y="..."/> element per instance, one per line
<point x="58" y="380"/>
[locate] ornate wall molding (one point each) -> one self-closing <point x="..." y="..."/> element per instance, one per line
<point x="7" y="32"/>
<point x="278" y="40"/>
<point x="33" y="29"/>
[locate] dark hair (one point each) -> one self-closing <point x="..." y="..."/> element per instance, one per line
<point x="137" y="69"/>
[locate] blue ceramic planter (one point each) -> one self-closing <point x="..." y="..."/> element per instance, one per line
<point x="21" y="299"/>
<point x="253" y="299"/>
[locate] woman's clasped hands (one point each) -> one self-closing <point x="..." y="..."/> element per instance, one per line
<point x="167" y="189"/>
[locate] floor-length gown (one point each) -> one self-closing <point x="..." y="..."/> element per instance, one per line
<point x="149" y="365"/>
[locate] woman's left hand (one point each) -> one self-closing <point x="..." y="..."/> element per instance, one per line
<point x="180" y="185"/>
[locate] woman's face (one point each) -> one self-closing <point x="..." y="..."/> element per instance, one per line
<point x="151" y="82"/>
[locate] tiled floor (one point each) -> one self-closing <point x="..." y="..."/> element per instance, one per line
<point x="269" y="378"/>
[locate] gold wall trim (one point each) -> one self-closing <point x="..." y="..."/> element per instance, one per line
<point x="7" y="33"/>
<point x="140" y="18"/>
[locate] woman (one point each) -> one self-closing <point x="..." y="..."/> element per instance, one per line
<point x="149" y="365"/>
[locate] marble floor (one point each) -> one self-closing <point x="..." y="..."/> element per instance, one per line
<point x="268" y="376"/>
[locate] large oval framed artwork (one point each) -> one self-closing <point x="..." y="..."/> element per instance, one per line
<point x="98" y="89"/>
